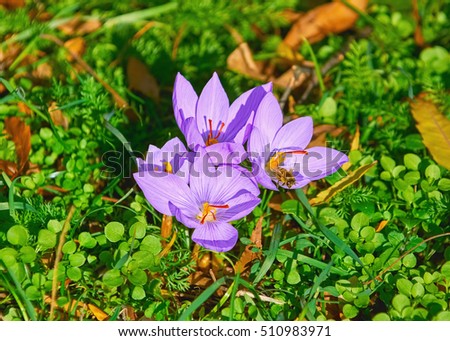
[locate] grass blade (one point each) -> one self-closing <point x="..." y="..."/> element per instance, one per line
<point x="311" y="261"/>
<point x="327" y="232"/>
<point x="133" y="17"/>
<point x="273" y="248"/>
<point x="202" y="298"/>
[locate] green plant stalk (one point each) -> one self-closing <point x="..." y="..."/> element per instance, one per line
<point x="133" y="17"/>
<point x="316" y="65"/>
<point x="272" y="253"/>
<point x="31" y="314"/>
<point x="237" y="279"/>
<point x="8" y="286"/>
<point x="202" y="298"/>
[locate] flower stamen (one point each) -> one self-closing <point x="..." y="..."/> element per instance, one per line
<point x="214" y="139"/>
<point x="209" y="212"/>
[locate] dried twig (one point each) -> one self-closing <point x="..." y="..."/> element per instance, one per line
<point x="62" y="239"/>
<point x="295" y="74"/>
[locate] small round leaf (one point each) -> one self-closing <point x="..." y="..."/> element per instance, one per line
<point x="114" y="231"/>
<point x="46" y="239"/>
<point x="17" y="235"/>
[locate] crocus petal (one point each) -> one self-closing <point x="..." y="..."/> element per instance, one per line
<point x="153" y="156"/>
<point x="184" y="99"/>
<point x="175" y="146"/>
<point x="212" y="105"/>
<point x="181" y="168"/>
<point x="259" y="145"/>
<point x="161" y="188"/>
<point x="241" y="112"/>
<point x="216" y="236"/>
<point x="186" y="220"/>
<point x="243" y="134"/>
<point x="226" y="153"/>
<point x="239" y="207"/>
<point x="294" y="135"/>
<point x="216" y="186"/>
<point x="248" y="174"/>
<point x="261" y="176"/>
<point x="268" y="117"/>
<point x="191" y="133"/>
<point x="317" y="164"/>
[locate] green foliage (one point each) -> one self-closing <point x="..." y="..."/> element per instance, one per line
<point x="379" y="250"/>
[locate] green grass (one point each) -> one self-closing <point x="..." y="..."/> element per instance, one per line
<point x="378" y="249"/>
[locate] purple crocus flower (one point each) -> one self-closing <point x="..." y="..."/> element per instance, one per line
<point x="213" y="198"/>
<point x="209" y="121"/>
<point x="278" y="152"/>
<point x="170" y="158"/>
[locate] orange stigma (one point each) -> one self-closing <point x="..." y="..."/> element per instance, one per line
<point x="209" y="212"/>
<point x="275" y="161"/>
<point x="213" y="139"/>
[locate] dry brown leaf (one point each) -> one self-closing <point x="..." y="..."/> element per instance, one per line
<point x="323" y="20"/>
<point x="140" y="79"/>
<point x="12" y="4"/>
<point x="381" y="225"/>
<point x="291" y="16"/>
<point x="434" y="128"/>
<point x="43" y="71"/>
<point x="321" y="132"/>
<point x="20" y="134"/>
<point x="78" y="25"/>
<point x="23" y="108"/>
<point x="288" y="79"/>
<point x="75" y="46"/>
<point x="57" y="116"/>
<point x="339" y="186"/>
<point x="99" y="314"/>
<point x="248" y="255"/>
<point x="241" y="60"/>
<point x="8" y="56"/>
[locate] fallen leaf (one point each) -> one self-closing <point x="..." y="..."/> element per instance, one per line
<point x="434" y="128"/>
<point x="43" y="71"/>
<point x="140" y="79"/>
<point x="351" y="178"/>
<point x="381" y="225"/>
<point x="9" y="55"/>
<point x="20" y="134"/>
<point x="320" y="133"/>
<point x="241" y="60"/>
<point x="12" y="4"/>
<point x="353" y="146"/>
<point x="23" y="108"/>
<point x="329" y="18"/>
<point x="291" y="16"/>
<point x="249" y="255"/>
<point x="288" y="79"/>
<point x="80" y="26"/>
<point x="99" y="314"/>
<point x="57" y="116"/>
<point x="75" y="46"/>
